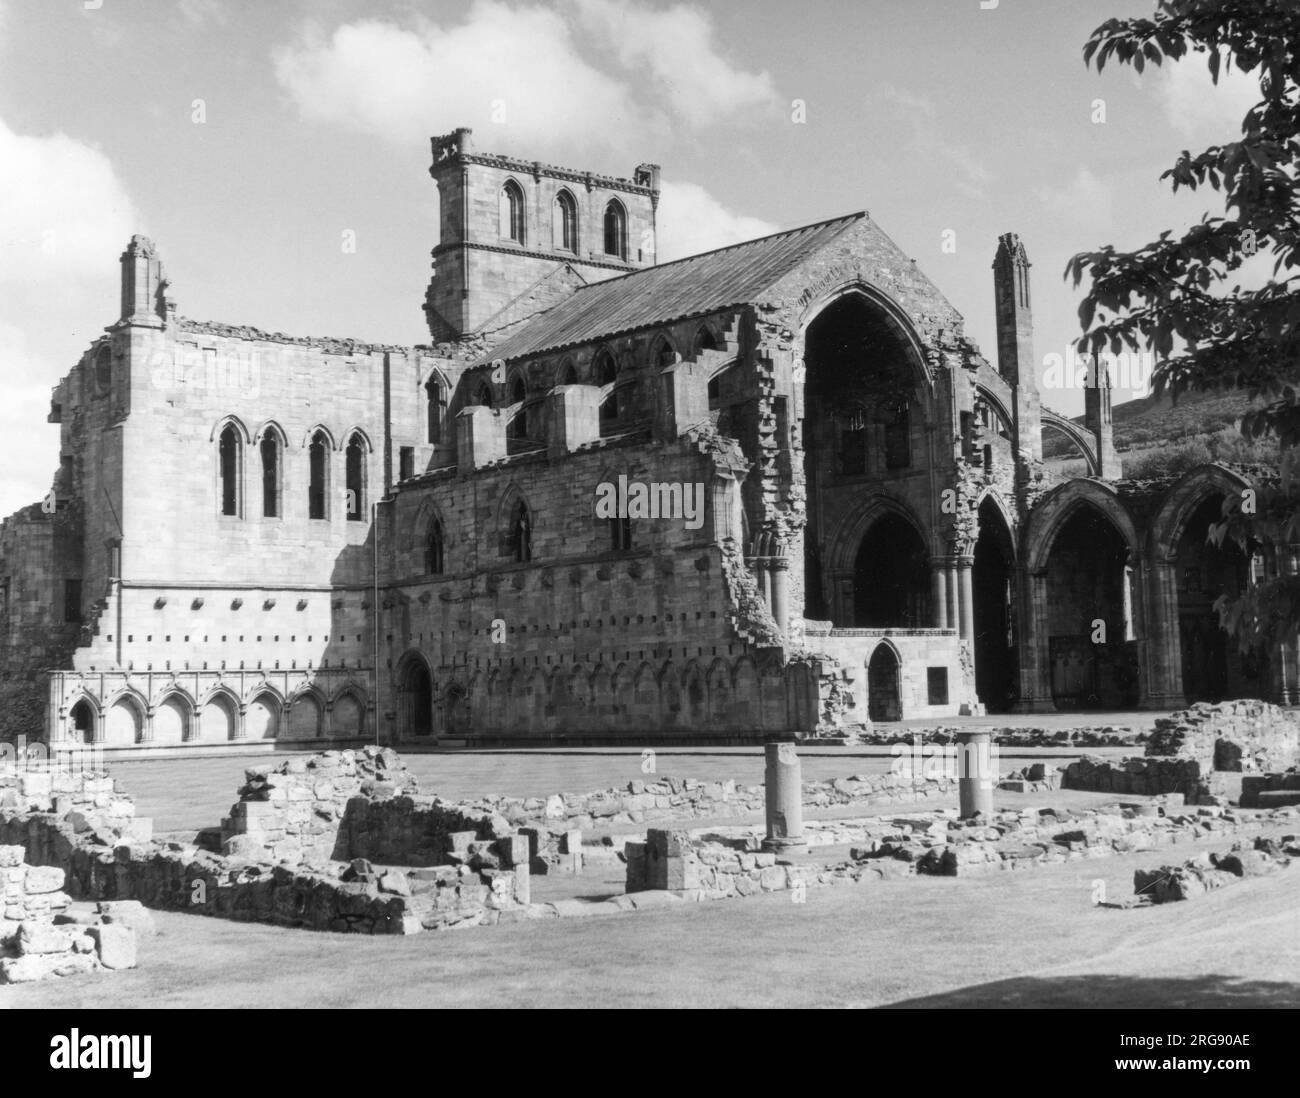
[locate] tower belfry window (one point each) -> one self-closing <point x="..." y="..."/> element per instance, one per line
<point x="512" y="212"/>
<point x="615" y="229"/>
<point x="565" y="226"/>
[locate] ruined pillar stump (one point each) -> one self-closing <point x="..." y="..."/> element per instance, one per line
<point x="975" y="773"/>
<point x="783" y="785"/>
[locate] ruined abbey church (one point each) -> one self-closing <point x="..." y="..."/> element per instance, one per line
<point x="828" y="507"/>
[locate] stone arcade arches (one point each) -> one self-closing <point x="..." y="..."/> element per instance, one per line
<point x="1081" y="650"/>
<point x="993" y="582"/>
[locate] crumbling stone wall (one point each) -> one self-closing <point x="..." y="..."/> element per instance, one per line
<point x="39" y="938"/>
<point x="1247" y="735"/>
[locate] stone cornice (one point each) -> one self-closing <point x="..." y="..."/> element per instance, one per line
<point x="554" y="257"/>
<point x="535" y="168"/>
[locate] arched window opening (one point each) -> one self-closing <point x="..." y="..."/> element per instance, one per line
<point x="512" y="212"/>
<point x="565" y="225"/>
<point x="620" y="534"/>
<point x="436" y="397"/>
<point x="483" y="395"/>
<point x="853" y="442"/>
<point x="898" y="437"/>
<point x="519" y="534"/>
<point x="891" y="578"/>
<point x="433" y="549"/>
<point x="615" y="229"/>
<point x="270" y="450"/>
<point x="569" y="375"/>
<point x="355" y="463"/>
<point x="517" y="428"/>
<point x="606" y="374"/>
<point x="229" y="457"/>
<point x="704" y="341"/>
<point x="518" y="391"/>
<point x="318" y="479"/>
<point x="104" y="368"/>
<point x="715" y="392"/>
<point x="665" y="356"/>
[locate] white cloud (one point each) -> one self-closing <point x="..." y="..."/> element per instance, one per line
<point x="690" y="220"/>
<point x="966" y="173"/>
<point x="675" y="45"/>
<point x="1085" y="203"/>
<point x="65" y="220"/>
<point x="1197" y="107"/>
<point x="407" y="84"/>
<point x="199" y="12"/>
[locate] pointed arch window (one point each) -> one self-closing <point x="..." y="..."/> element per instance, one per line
<point x="512" y="212"/>
<point x="620" y="534"/>
<point x="704" y="340"/>
<point x="665" y="356"/>
<point x="436" y="403"/>
<point x="565" y="225"/>
<point x="853" y="442"/>
<point x="615" y="229"/>
<point x="355" y="476"/>
<point x="483" y="395"/>
<point x="269" y="449"/>
<point x="433" y="548"/>
<point x="606" y="375"/>
<point x="898" y="436"/>
<point x="569" y="374"/>
<point x="519" y="533"/>
<point x="229" y="454"/>
<point x="318" y="476"/>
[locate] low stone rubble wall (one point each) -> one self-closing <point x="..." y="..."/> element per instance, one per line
<point x="1270" y="790"/>
<point x="41" y="937"/>
<point x="1103" y="736"/>
<point x="1246" y="735"/>
<point x="718" y="867"/>
<point x="1144" y="776"/>
<point x="282" y="868"/>
<point x="1211" y="870"/>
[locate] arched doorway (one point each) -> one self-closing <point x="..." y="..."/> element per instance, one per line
<point x="1213" y="669"/>
<point x="1091" y="649"/>
<point x="891" y="577"/>
<point x="859" y="391"/>
<point x="81" y="722"/>
<point x="993" y="585"/>
<point x="883" y="701"/>
<point x="415" y="700"/>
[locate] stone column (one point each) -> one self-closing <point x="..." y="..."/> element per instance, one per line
<point x="964" y="563"/>
<point x="939" y="588"/>
<point x="1035" y="663"/>
<point x="1159" y="645"/>
<point x="976" y="773"/>
<point x="779" y="576"/>
<point x="783" y="788"/>
<point x="952" y="599"/>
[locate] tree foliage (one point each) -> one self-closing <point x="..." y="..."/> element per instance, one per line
<point x="1181" y="296"/>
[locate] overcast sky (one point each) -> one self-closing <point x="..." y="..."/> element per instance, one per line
<point x="246" y="136"/>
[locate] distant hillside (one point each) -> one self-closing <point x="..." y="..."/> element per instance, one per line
<point x="1157" y="436"/>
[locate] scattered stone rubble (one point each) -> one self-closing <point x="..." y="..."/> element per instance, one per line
<point x="718" y="866"/>
<point x="43" y="935"/>
<point x="1103" y="736"/>
<point x="1209" y="871"/>
<point x="1203" y="753"/>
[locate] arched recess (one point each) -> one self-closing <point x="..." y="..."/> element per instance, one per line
<point x="348" y="714"/>
<point x="356" y="452"/>
<point x="262" y="717"/>
<point x="219" y="716"/>
<point x="173" y="719"/>
<point x="515" y="525"/>
<point x="1081" y="543"/>
<point x="1080" y="439"/>
<point x="994" y="589"/>
<point x="718" y="681"/>
<point x="306" y="712"/>
<point x="271" y="442"/>
<point x="564" y="224"/>
<point x="866" y="395"/>
<point x="615" y="225"/>
<point x="455" y="710"/>
<point x="124" y="719"/>
<point x="695" y="698"/>
<point x="232" y="440"/>
<point x="884" y="683"/>
<point x="436" y="389"/>
<point x="1212" y="667"/>
<point x="414" y="697"/>
<point x="82" y="720"/>
<point x="512" y="217"/>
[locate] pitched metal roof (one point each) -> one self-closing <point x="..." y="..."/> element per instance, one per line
<point x="693" y="286"/>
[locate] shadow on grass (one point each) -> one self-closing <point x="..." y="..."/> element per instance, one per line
<point x="1115" y="992"/>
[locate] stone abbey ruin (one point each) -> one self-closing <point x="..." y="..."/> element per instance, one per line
<point x="362" y="543"/>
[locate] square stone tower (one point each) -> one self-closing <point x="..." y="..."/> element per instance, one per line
<point x="507" y="224"/>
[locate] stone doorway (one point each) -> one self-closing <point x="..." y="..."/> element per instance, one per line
<point x="883" y="697"/>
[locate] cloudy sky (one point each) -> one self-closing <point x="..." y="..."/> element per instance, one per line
<point x="247" y="136"/>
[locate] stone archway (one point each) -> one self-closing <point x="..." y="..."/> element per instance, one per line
<point x="1212" y="668"/>
<point x="993" y="588"/>
<point x="81" y="721"/>
<point x="415" y="700"/>
<point x="884" y="702"/>
<point x="891" y="577"/>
